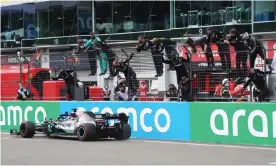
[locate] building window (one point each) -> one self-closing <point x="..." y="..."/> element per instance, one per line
<point x="30" y="28"/>
<point x="264" y="11"/>
<point x="6" y="33"/>
<point x="122" y="21"/>
<point x="132" y="16"/>
<point x="17" y="20"/>
<point x="206" y="13"/>
<point x="42" y="19"/>
<point x="56" y="18"/>
<point x="85" y="17"/>
<point x="70" y="14"/>
<point x="140" y="15"/>
<point x="243" y="11"/>
<point x="181" y="13"/>
<point x="159" y="15"/>
<point x="103" y="13"/>
<point x="12" y="22"/>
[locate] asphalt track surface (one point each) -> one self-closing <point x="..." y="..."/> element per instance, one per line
<point x="42" y="151"/>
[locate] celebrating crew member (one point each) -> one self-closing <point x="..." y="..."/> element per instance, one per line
<point x="111" y="58"/>
<point x="96" y="44"/>
<point x="169" y="47"/>
<point x="207" y="48"/>
<point x="91" y="55"/>
<point x="223" y="50"/>
<point x="179" y="66"/>
<point x="255" y="47"/>
<point x="240" y="48"/>
<point x="69" y="80"/>
<point x="258" y="78"/>
<point x="145" y="44"/>
<point x="184" y="89"/>
<point x="192" y="43"/>
<point x="130" y="75"/>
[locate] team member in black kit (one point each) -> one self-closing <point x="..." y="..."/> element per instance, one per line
<point x="255" y="47"/>
<point x="204" y="43"/>
<point x="145" y="44"/>
<point x="169" y="47"/>
<point x="129" y="73"/>
<point x="207" y="48"/>
<point x="178" y="63"/>
<point x="69" y="80"/>
<point x="223" y="50"/>
<point x="258" y="78"/>
<point x="185" y="89"/>
<point x="240" y="48"/>
<point x="111" y="58"/>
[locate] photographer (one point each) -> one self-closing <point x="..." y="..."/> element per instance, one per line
<point x="120" y="90"/>
<point x="185" y="88"/>
<point x="257" y="77"/>
<point x="106" y="93"/>
<point x="171" y="93"/>
<point x="23" y="93"/>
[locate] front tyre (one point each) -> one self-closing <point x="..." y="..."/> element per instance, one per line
<point x="27" y="129"/>
<point x="124" y="132"/>
<point x="86" y="132"/>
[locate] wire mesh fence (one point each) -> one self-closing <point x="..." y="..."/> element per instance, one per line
<point x="117" y="74"/>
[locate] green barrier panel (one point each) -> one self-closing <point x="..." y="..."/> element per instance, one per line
<point x="235" y="123"/>
<point x="13" y="113"/>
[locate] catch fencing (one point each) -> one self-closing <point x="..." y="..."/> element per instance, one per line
<point x="147" y="68"/>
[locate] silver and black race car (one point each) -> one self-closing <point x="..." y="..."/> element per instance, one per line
<point x="86" y="126"/>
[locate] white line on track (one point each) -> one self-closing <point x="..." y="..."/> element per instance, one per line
<point x="190" y="144"/>
<point x="23" y="139"/>
<point x="208" y="145"/>
<point x="273" y="163"/>
<point x="4" y="133"/>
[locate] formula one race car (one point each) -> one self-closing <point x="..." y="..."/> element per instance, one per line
<point x="83" y="125"/>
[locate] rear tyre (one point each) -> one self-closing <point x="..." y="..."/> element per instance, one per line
<point x="124" y="133"/>
<point x="27" y="129"/>
<point x="86" y="132"/>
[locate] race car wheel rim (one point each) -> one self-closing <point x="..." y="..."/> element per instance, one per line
<point x="81" y="132"/>
<point x="23" y="129"/>
<point x="50" y="128"/>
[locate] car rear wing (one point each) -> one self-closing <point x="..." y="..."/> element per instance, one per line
<point x="107" y="116"/>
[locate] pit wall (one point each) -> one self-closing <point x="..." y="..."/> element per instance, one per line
<point x="229" y="123"/>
